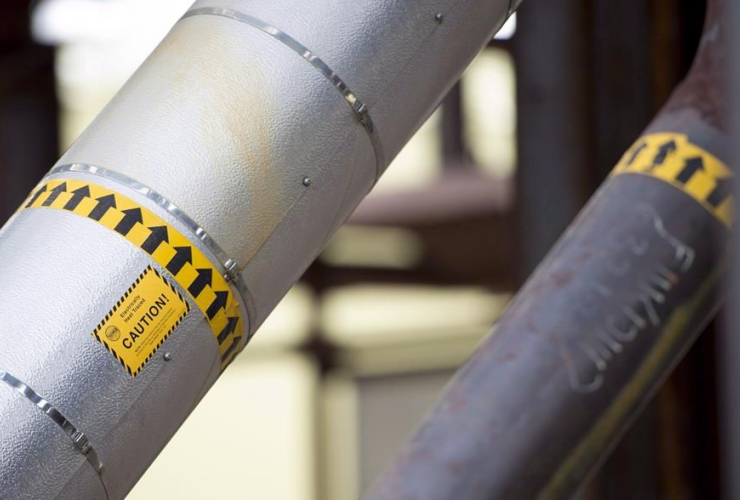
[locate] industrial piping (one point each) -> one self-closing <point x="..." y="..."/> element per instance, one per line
<point x="601" y="322"/>
<point x="151" y="252"/>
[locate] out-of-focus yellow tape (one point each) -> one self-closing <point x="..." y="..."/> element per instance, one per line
<point x="672" y="158"/>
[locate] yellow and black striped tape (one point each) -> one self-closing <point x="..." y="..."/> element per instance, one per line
<point x="169" y="248"/>
<point x="672" y="158"/>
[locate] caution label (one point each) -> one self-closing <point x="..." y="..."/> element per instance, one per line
<point x="672" y="158"/>
<point x="141" y="320"/>
<point x="184" y="262"/>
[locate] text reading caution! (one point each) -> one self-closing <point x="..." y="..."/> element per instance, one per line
<point x="177" y="256"/>
<point x="141" y="320"/>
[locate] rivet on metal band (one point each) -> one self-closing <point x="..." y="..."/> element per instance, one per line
<point x="358" y="107"/>
<point x="229" y="267"/>
<point x="79" y="440"/>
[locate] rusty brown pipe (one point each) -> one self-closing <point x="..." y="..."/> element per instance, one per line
<point x="599" y="325"/>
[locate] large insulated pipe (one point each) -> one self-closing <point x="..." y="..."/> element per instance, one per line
<point x="600" y="323"/>
<point x="151" y="252"/>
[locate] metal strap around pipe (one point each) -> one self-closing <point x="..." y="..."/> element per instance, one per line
<point x="230" y="268"/>
<point x="79" y="439"/>
<point x="358" y="107"/>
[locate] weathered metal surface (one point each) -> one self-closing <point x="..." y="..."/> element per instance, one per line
<point x="595" y="330"/>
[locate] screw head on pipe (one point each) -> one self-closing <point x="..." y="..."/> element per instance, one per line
<point x="167" y="356"/>
<point x="439" y="17"/>
<point x="306" y="181"/>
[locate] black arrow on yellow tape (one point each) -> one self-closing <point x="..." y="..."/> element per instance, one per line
<point x="722" y="189"/>
<point x="231" y="348"/>
<point x="691" y="166"/>
<point x="104" y="204"/>
<point x="54" y="194"/>
<point x="130" y="218"/>
<point x="228" y="330"/>
<point x="36" y="195"/>
<point x="158" y="235"/>
<point x="182" y="256"/>
<point x="222" y="298"/>
<point x="205" y="278"/>
<point x="78" y="195"/>
<point x="663" y="152"/>
<point x="636" y="153"/>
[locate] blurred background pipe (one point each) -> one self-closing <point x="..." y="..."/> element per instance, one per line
<point x="602" y="321"/>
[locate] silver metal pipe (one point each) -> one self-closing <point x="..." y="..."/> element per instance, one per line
<point x="162" y="239"/>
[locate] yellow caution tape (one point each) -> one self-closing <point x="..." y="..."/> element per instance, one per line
<point x="169" y="248"/>
<point x="672" y="158"/>
<point x="141" y="320"/>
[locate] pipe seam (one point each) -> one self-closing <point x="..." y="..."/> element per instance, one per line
<point x="79" y="440"/>
<point x="360" y="109"/>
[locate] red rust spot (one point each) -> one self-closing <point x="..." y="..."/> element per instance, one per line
<point x="704" y="90"/>
<point x="457" y="402"/>
<point x="454" y="467"/>
<point x="508" y="356"/>
<point x="561" y="278"/>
